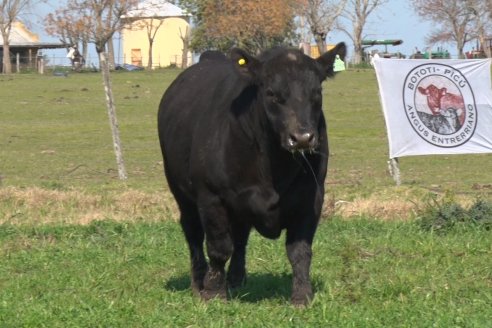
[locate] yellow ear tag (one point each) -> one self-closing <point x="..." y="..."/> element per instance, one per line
<point x="241" y="62"/>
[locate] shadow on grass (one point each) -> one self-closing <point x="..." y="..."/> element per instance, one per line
<point x="258" y="287"/>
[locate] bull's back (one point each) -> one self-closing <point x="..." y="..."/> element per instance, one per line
<point x="192" y="103"/>
<point x="177" y="110"/>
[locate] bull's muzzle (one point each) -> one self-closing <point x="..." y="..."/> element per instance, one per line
<point x="301" y="141"/>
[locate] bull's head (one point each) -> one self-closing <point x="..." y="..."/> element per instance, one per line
<point x="289" y="90"/>
<point x="434" y="95"/>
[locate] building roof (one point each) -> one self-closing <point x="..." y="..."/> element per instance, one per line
<point x="155" y="8"/>
<point x="21" y="37"/>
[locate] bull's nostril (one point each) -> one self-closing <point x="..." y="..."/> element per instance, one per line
<point x="292" y="140"/>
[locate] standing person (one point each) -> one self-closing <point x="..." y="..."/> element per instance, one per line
<point x="76" y="58"/>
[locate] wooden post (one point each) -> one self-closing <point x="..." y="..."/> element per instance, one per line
<point x="113" y="122"/>
<point x="41" y="65"/>
<point x="17" y="62"/>
<point x="394" y="170"/>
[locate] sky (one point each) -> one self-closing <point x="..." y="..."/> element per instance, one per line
<point x="394" y="20"/>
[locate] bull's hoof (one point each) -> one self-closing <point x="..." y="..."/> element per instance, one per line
<point x="302" y="298"/>
<point x="196" y="288"/>
<point x="301" y="301"/>
<point x="214" y="285"/>
<point x="207" y="295"/>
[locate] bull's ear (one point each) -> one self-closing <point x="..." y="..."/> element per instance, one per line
<point x="247" y="65"/>
<point x="327" y="60"/>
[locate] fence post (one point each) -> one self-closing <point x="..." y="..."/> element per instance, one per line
<point x="394" y="170"/>
<point x="40" y="65"/>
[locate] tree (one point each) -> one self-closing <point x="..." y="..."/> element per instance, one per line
<point x="357" y="12"/>
<point x="70" y="28"/>
<point x="146" y="16"/>
<point x="481" y="12"/>
<point x="198" y="39"/>
<point x="453" y="17"/>
<point x="9" y="13"/>
<point x="185" y="37"/>
<point x="151" y="25"/>
<point x="322" y="16"/>
<point x="102" y="19"/>
<point x="250" y="24"/>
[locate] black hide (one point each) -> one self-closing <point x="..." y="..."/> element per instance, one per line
<point x="245" y="146"/>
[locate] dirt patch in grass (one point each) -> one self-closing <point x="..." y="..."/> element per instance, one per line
<point x="45" y="206"/>
<point x="398" y="209"/>
<point x="41" y="206"/>
<point x="394" y="203"/>
<point x="378" y="205"/>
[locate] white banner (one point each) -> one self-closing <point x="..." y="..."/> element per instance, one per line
<point x="436" y="106"/>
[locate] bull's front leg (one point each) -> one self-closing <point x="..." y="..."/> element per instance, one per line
<point x="299" y="252"/>
<point x="219" y="248"/>
<point x="236" y="276"/>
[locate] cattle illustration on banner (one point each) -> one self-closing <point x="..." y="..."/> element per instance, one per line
<point x="436" y="106"/>
<point x="440" y="105"/>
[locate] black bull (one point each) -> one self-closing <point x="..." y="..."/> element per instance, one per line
<point x="244" y="145"/>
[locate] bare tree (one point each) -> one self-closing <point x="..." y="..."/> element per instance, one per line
<point x="151" y="25"/>
<point x="357" y="12"/>
<point x="103" y="18"/>
<point x="453" y="17"/>
<point x="481" y="11"/>
<point x="185" y="37"/>
<point x="70" y="29"/>
<point x="106" y="18"/>
<point x="151" y="16"/>
<point x="110" y="53"/>
<point x="321" y="16"/>
<point x="9" y="13"/>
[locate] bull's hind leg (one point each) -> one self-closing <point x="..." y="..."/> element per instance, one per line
<point x="193" y="231"/>
<point x="236" y="275"/>
<point x="219" y="247"/>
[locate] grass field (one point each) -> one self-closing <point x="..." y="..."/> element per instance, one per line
<point x="366" y="273"/>
<point x="79" y="248"/>
<point x="55" y="139"/>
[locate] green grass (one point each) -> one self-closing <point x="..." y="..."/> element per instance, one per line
<point x="55" y="130"/>
<point x="366" y="274"/>
<point x="55" y="133"/>
<point x="359" y="146"/>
